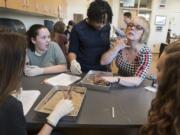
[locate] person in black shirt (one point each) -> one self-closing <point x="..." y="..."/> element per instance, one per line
<point x="67" y="32"/>
<point x="89" y="39"/>
<point x="12" y="60"/>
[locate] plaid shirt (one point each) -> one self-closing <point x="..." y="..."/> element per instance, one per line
<point x="139" y="67"/>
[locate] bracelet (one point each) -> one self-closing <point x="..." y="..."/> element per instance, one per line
<point x="50" y="124"/>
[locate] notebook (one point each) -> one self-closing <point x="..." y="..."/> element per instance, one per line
<point x="28" y="98"/>
<point x="62" y="80"/>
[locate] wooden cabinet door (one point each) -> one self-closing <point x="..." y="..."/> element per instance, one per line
<point x="30" y="5"/>
<point x="2" y="3"/>
<point x="63" y="8"/>
<point x="22" y="5"/>
<point x="47" y="7"/>
<point x="42" y="6"/>
<point x="16" y="4"/>
<point x="55" y="8"/>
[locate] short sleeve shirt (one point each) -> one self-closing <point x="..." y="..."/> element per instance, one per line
<point x="53" y="56"/>
<point x="139" y="67"/>
<point x="89" y="44"/>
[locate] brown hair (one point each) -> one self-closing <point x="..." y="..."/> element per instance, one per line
<point x="12" y="59"/>
<point x="146" y="26"/>
<point x="59" y="27"/>
<point x="164" y="114"/>
<point x="32" y="33"/>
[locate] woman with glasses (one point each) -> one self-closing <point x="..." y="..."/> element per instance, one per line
<point x="132" y="56"/>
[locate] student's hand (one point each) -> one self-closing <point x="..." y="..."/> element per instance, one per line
<point x="119" y="43"/>
<point x="62" y="108"/>
<point x="33" y="70"/>
<point x="75" y="67"/>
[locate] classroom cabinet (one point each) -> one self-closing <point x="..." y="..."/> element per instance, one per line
<point x="47" y="7"/>
<point x="22" y="5"/>
<point x="63" y="9"/>
<point x="137" y="7"/>
<point x="2" y="3"/>
<point x="41" y="7"/>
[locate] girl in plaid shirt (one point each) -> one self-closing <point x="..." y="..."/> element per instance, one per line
<point x="132" y="56"/>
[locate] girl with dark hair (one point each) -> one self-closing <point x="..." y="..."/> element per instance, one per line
<point x="12" y="60"/>
<point x="89" y="39"/>
<point x="164" y="114"/>
<point x="43" y="56"/>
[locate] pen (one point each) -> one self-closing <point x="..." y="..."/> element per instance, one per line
<point x="113" y="115"/>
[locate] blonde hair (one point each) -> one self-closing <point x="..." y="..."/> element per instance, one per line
<point x="146" y="27"/>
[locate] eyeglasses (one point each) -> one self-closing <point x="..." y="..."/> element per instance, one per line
<point x="138" y="27"/>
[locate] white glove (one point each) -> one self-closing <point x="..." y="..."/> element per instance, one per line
<point x="62" y="108"/>
<point x="75" y="67"/>
<point x="33" y="70"/>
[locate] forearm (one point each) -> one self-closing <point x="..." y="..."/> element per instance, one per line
<point x="130" y="81"/>
<point x="108" y="56"/>
<point x="55" y="69"/>
<point x="71" y="56"/>
<point x="46" y="130"/>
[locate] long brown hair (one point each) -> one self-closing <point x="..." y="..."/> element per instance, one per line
<point x="12" y="59"/>
<point x="164" y="114"/>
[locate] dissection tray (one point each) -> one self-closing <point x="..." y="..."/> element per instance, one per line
<point x="93" y="80"/>
<point x="76" y="94"/>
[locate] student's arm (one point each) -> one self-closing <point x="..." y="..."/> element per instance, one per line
<point x="71" y="56"/>
<point x="145" y="62"/>
<point x="74" y="45"/>
<point x="46" y="130"/>
<point x="108" y="56"/>
<point x="130" y="81"/>
<point x="55" y="69"/>
<point x="125" y="81"/>
<point x="62" y="108"/>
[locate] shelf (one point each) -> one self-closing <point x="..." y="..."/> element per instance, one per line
<point x="140" y="9"/>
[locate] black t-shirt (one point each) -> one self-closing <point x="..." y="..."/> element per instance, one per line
<point x="89" y="44"/>
<point x="12" y="120"/>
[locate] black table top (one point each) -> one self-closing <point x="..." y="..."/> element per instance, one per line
<point x="131" y="106"/>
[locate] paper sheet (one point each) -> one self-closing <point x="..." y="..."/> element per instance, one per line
<point x="150" y="88"/>
<point x="27" y="97"/>
<point x="62" y="80"/>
